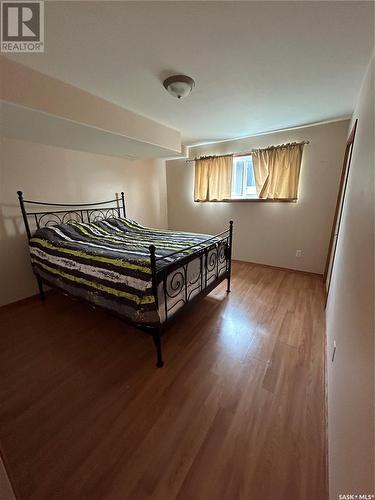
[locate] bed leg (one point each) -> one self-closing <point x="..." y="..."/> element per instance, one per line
<point x="157" y="342"/>
<point x="41" y="291"/>
<point x="228" y="284"/>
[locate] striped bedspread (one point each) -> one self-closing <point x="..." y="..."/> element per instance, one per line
<point x="107" y="262"/>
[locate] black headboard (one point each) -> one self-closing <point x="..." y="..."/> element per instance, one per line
<point x="68" y="212"/>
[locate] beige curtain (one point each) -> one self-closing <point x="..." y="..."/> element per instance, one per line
<point x="213" y="178"/>
<point x="277" y="170"/>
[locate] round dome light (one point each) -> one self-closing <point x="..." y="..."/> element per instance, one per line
<point x="179" y="85"/>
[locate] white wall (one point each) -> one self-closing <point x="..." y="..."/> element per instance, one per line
<point x="270" y="233"/>
<point x="54" y="174"/>
<point x="350" y="319"/>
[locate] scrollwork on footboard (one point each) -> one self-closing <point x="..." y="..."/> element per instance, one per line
<point x="182" y="281"/>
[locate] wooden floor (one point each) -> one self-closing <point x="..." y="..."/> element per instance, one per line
<point x="236" y="413"/>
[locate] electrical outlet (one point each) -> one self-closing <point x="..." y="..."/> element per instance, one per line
<point x="298" y="253"/>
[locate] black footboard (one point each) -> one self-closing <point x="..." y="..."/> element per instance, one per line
<point x="181" y="282"/>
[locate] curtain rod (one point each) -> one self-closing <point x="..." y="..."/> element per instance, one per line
<point x="246" y="153"/>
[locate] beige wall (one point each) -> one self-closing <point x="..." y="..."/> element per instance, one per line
<point x="350" y="320"/>
<point x="54" y="174"/>
<point x="269" y="233"/>
<point x="26" y="87"/>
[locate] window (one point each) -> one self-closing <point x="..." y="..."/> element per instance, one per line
<point x="243" y="179"/>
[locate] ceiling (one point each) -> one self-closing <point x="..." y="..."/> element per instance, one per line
<point x="258" y="66"/>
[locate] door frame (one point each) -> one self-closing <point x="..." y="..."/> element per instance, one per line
<point x="339" y="207"/>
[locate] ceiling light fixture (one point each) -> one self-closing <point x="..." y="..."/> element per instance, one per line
<point x="179" y="85"/>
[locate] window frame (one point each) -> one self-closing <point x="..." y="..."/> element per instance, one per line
<point x="244" y="196"/>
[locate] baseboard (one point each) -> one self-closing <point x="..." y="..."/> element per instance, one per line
<point x="316" y="275"/>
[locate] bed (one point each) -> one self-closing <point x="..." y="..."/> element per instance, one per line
<point x="146" y="276"/>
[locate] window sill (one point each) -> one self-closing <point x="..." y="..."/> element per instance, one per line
<point x="251" y="200"/>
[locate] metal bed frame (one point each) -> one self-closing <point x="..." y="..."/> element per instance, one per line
<point x="215" y="260"/>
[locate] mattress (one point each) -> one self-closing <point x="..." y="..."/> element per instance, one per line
<point x="108" y="264"/>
